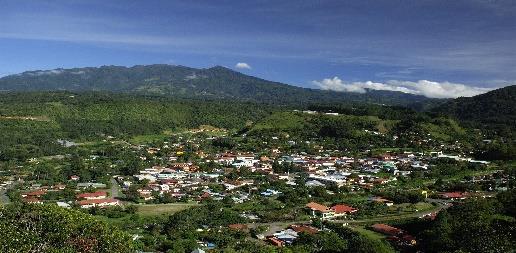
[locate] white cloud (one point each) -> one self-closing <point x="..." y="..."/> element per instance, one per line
<point x="242" y="65"/>
<point x="422" y="87"/>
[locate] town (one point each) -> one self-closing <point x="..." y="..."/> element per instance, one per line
<point x="278" y="191"/>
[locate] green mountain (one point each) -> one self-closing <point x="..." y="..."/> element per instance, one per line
<point x="494" y="108"/>
<point x="185" y="82"/>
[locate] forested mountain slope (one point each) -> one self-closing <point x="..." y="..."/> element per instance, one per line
<point x="179" y="81"/>
<point x="495" y="109"/>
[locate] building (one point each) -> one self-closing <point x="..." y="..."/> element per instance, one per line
<point x="304" y="229"/>
<point x="341" y="210"/>
<point x="89" y="203"/>
<point x="453" y="195"/>
<point x="387" y="230"/>
<point x="92" y="195"/>
<point x="318" y="210"/>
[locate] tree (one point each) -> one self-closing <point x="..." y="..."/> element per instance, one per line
<point x="48" y="228"/>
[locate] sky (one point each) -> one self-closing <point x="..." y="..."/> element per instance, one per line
<point x="428" y="47"/>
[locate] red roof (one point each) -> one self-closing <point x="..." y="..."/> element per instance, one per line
<point x="453" y="195"/>
<point x="34" y="193"/>
<point x="91" y="195"/>
<point x="343" y="209"/>
<point x="317" y="207"/>
<point x="275" y="241"/>
<point x="386" y="229"/>
<point x="304" y="228"/>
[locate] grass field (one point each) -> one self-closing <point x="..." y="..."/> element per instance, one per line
<point x="368" y="233"/>
<point x="159" y="209"/>
<point x="410" y="208"/>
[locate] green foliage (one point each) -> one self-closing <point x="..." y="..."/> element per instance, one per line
<point x="322" y="242"/>
<point x="31" y="123"/>
<point x="495" y="111"/>
<point x="47" y="228"/>
<point x="479" y="225"/>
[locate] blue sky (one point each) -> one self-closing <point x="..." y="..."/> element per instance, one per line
<point x="460" y="47"/>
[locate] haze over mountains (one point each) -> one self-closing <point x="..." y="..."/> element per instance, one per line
<point x="186" y="82"/>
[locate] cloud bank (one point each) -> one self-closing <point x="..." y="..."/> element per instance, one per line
<point x="242" y="65"/>
<point x="422" y="87"/>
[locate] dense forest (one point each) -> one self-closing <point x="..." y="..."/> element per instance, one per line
<point x="495" y="110"/>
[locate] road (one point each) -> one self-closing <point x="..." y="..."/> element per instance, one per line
<point x="4" y="199"/>
<point x="440" y="205"/>
<point x="115" y="190"/>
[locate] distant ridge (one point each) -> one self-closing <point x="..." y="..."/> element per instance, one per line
<point x="185" y="82"/>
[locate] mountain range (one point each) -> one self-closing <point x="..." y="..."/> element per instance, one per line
<point x="186" y="82"/>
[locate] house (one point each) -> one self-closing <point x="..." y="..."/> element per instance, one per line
<point x="341" y="210"/>
<point x="304" y="229"/>
<point x="314" y="183"/>
<point x="33" y="194"/>
<point x="286" y="236"/>
<point x="74" y="178"/>
<point x="88" y="203"/>
<point x="92" y="185"/>
<point x="92" y="195"/>
<point x="387" y="230"/>
<point x="453" y="195"/>
<point x="318" y="210"/>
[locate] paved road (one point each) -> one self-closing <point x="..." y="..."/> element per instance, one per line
<point x="115" y="190"/>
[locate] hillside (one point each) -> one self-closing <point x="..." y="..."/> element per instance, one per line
<point x="30" y="123"/>
<point x="360" y="131"/>
<point x="495" y="108"/>
<point x="185" y="82"/>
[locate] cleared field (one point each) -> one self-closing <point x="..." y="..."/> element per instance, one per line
<point x="158" y="209"/>
<point x="368" y="233"/>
